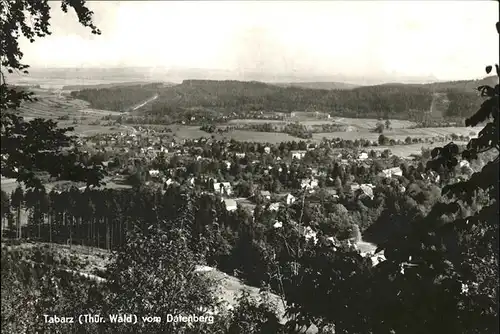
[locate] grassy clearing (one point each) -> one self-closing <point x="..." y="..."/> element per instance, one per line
<point x="90" y="258"/>
<point x="355" y="123"/>
<point x="55" y="103"/>
<point x="9" y="185"/>
<point x="400" y="133"/>
<point x="193" y="132"/>
<point x="228" y="288"/>
<point x="371" y="123"/>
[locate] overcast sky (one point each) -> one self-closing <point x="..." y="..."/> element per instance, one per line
<point x="447" y="40"/>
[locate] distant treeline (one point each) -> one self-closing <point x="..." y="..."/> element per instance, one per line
<point x="117" y="98"/>
<point x="235" y="98"/>
<point x="393" y="101"/>
<point x="106" y="85"/>
<point x="468" y="86"/>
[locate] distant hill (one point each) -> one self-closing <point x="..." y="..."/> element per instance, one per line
<point x="319" y="85"/>
<point x="119" y="98"/>
<point x="464" y="85"/>
<point x="231" y="97"/>
<point x="113" y="85"/>
<point x="468" y="86"/>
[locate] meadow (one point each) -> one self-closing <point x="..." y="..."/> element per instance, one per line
<point x="57" y="104"/>
<point x="361" y="130"/>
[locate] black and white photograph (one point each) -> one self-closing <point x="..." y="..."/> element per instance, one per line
<point x="249" y="167"/>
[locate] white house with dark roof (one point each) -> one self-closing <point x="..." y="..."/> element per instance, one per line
<point x="274" y="206"/>
<point x="230" y="204"/>
<point x="298" y="154"/>
<point x="308" y="183"/>
<point x="363" y="156"/>
<point x="223" y="188"/>
<point x="154" y="172"/>
<point x="289" y="199"/>
<point x="266" y="194"/>
<point x="391" y="172"/>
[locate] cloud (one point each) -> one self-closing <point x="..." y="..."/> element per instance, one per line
<point x="449" y="40"/>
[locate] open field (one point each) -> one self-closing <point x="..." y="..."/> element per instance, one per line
<point x="55" y="104"/>
<point x="406" y="151"/>
<point x="354" y="123"/>
<point x="9" y="185"/>
<point x="371" y="123"/>
<point x="69" y="78"/>
<point x="228" y="288"/>
<point x="399" y="133"/>
<point x="193" y="132"/>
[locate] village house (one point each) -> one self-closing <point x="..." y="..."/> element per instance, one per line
<point x="223" y="188"/>
<point x="311" y="147"/>
<point x="363" y="156"/>
<point x="465" y="164"/>
<point x="391" y="172"/>
<point x="308" y="183"/>
<point x="154" y="173"/>
<point x="266" y="194"/>
<point x="274" y="206"/>
<point x="310" y="234"/>
<point x="277" y="224"/>
<point x="230" y="204"/>
<point x="289" y="199"/>
<point x="354" y="187"/>
<point x="365" y="190"/>
<point x="298" y="154"/>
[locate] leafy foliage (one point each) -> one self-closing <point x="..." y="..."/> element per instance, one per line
<point x="453" y="251"/>
<point x="117" y="98"/>
<point x="36" y="145"/>
<point x="157" y="281"/>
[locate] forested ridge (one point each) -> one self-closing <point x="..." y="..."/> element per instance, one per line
<point x="228" y="97"/>
<point x="117" y="98"/>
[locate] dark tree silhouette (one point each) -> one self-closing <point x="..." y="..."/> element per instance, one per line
<point x="451" y="255"/>
<point x="38" y="145"/>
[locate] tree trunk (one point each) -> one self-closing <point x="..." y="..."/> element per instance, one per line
<point x="50" y="228"/>
<point x="98" y="233"/>
<point x="70" y="231"/>
<point x="106" y="224"/>
<point x="42" y="217"/>
<point x="19" y="223"/>
<point x="112" y="235"/>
